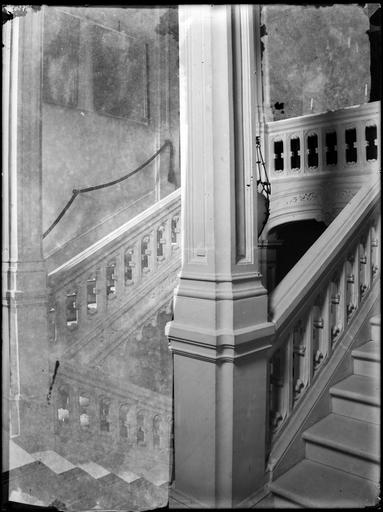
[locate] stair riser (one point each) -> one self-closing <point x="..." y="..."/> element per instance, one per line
<point x="367" y="368"/>
<point x="344" y="461"/>
<point x="356" y="410"/>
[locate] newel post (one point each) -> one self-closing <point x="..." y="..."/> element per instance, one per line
<point x="220" y="335"/>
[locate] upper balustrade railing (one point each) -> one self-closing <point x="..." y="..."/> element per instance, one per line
<point x="343" y="140"/>
<point x="115" y="271"/>
<point x="314" y="304"/>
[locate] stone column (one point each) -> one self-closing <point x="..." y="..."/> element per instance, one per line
<point x="25" y="304"/>
<point x="220" y="335"/>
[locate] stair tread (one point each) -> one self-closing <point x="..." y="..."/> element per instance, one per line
<point x="360" y="438"/>
<point x="370" y="351"/>
<point x="311" y="484"/>
<point x="375" y="320"/>
<point x="358" y="387"/>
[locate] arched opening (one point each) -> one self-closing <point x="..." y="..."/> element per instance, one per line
<point x="294" y="239"/>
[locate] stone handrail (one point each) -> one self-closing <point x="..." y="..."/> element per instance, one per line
<point x="346" y="139"/>
<point x="317" y="299"/>
<point x="95" y="284"/>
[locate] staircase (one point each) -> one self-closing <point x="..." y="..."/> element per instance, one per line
<point x="46" y="478"/>
<point x="341" y="467"/>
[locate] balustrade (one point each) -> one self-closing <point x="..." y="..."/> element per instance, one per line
<point x="345" y="139"/>
<point x="89" y="285"/>
<point x="82" y="410"/>
<point x="311" y="323"/>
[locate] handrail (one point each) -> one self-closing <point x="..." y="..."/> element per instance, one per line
<point x="314" y="304"/>
<point x="77" y="192"/>
<point x="137" y="223"/>
<point x="90" y="290"/>
<point x="311" y="268"/>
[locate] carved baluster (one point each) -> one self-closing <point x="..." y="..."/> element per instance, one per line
<point x="71" y="309"/>
<point x="153" y="261"/>
<point x="360" y="142"/>
<point x="113" y="419"/>
<point x="375" y="239"/>
<point x="350" y="287"/>
<point x="326" y="338"/>
<point x="61" y="326"/>
<point x="368" y="260"/>
<point x="364" y="261"/>
<point x="175" y="232"/>
<point x="52" y="319"/>
<point x="312" y="150"/>
<point x="129" y="266"/>
<point x="299" y="361"/>
<point x="120" y="274"/>
<point x="351" y="147"/>
<point x="161" y="242"/>
<point x="101" y="289"/>
<point x="81" y="303"/>
<point x="146" y="254"/>
<point x="319" y="347"/>
<point x="308" y="342"/>
<point x="279" y="153"/>
<point x="336" y="326"/>
<point x="74" y="409"/>
<point x="137" y="269"/>
<point x="295" y="153"/>
<point x="111" y="279"/>
<point x="342" y="309"/>
<point x="371" y="142"/>
<point x="167" y="235"/>
<point x="280" y="387"/>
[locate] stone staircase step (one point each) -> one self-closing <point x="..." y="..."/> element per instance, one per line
<point x="54" y="461"/>
<point x="366" y="359"/>
<point x="345" y="443"/>
<point x="358" y="397"/>
<point x="313" y="485"/>
<point x="36" y="480"/>
<point x="375" y="328"/>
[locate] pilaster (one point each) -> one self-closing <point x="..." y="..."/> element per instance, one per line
<point x="220" y="335"/>
<point x="25" y="303"/>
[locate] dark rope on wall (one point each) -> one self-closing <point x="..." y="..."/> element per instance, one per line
<point x="76" y="192"/>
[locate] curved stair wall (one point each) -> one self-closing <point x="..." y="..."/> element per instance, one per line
<point x="317" y="163"/>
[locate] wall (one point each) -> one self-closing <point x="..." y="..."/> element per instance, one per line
<point x="327" y="65"/>
<point x="109" y="103"/>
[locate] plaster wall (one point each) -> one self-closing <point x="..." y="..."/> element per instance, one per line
<point x="327" y="66"/>
<point x="83" y="146"/>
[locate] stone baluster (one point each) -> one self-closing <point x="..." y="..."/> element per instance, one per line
<point x="120" y="274"/>
<point x="167" y="247"/>
<point x="308" y="343"/>
<point x="81" y="302"/>
<point x="101" y="288"/>
<point x="299" y="361"/>
<point x="137" y="268"/>
<point x="326" y="345"/>
<point x="342" y="307"/>
<point x="153" y="249"/>
<point x="375" y="248"/>
<point x="360" y="142"/>
<point x="61" y="325"/>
